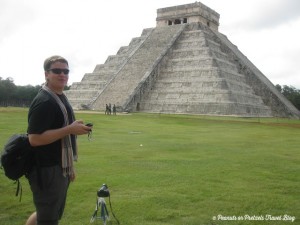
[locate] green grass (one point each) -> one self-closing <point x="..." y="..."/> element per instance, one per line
<point x="188" y="170"/>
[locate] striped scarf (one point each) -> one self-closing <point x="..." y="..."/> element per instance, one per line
<point x="68" y="143"/>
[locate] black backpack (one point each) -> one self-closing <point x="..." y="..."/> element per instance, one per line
<point x="17" y="158"/>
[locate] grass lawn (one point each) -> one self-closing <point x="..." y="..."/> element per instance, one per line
<point x="175" y="170"/>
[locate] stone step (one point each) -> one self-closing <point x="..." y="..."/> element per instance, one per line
<point x="85" y="94"/>
<point x="115" y="59"/>
<point x="208" y="108"/>
<point x="221" y="83"/>
<point x="193" y="34"/>
<point x="187" y="44"/>
<point x="98" y="77"/>
<point x="89" y="85"/>
<point x="102" y="68"/>
<point x="190" y="52"/>
<point x="195" y="75"/>
<point x="207" y="93"/>
<point x="200" y="63"/>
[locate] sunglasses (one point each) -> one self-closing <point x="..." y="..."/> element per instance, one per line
<point x="59" y="71"/>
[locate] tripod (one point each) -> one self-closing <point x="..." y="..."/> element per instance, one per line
<point x="103" y="211"/>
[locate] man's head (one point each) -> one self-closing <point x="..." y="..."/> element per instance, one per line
<point x="56" y="73"/>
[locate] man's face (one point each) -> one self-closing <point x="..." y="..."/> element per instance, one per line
<point x="57" y="76"/>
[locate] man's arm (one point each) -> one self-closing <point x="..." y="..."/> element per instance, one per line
<point x="50" y="136"/>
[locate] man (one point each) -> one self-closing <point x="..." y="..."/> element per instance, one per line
<point x="52" y="131"/>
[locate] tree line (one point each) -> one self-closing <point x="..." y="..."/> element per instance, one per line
<point x="15" y="95"/>
<point x="21" y="96"/>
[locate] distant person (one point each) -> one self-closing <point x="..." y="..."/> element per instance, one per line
<point x="114" y="110"/>
<point x="106" y="109"/>
<point x="109" y="108"/>
<point x="52" y="131"/>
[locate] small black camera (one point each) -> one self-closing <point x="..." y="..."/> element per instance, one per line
<point x="89" y="124"/>
<point x="103" y="191"/>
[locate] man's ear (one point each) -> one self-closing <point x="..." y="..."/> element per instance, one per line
<point x="46" y="77"/>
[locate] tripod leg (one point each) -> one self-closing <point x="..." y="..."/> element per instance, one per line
<point x="104" y="212"/>
<point x="94" y="216"/>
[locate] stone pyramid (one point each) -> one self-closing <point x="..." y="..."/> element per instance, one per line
<point x="183" y="65"/>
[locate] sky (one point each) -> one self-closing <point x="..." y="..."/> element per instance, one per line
<point x="86" y="32"/>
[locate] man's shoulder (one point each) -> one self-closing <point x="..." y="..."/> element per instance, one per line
<point x="43" y="96"/>
<point x="44" y="100"/>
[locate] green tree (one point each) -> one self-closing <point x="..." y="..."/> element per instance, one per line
<point x="7" y="89"/>
<point x="12" y="95"/>
<point x="291" y="93"/>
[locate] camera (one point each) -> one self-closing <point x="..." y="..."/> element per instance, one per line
<point x="103" y="191"/>
<point x="89" y="124"/>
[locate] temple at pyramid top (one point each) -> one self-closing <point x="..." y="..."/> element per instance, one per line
<point x="189" y="13"/>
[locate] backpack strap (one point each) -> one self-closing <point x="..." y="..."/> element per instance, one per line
<point x="19" y="189"/>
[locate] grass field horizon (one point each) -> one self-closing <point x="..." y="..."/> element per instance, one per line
<point x="174" y="170"/>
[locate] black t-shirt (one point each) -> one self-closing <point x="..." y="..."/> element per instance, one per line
<point x="45" y="114"/>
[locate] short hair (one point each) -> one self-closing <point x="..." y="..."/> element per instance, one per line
<point x="56" y="58"/>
